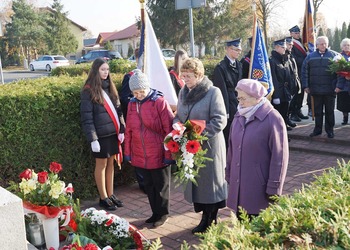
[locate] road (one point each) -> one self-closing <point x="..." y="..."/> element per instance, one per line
<point x="10" y="76"/>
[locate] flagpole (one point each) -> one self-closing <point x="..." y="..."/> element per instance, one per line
<point x="141" y="64"/>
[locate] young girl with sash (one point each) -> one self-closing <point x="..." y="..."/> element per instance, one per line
<point x="104" y="126"/>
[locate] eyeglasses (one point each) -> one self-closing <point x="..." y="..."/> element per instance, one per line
<point x="241" y="99"/>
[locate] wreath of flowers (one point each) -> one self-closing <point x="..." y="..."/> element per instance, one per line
<point x="185" y="143"/>
<point x="340" y="66"/>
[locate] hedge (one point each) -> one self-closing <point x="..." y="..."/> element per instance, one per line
<point x="40" y="123"/>
<point x="316" y="217"/>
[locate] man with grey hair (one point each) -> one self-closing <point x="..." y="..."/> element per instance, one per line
<point x="320" y="83"/>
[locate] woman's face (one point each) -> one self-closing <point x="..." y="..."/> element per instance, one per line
<point x="346" y="47"/>
<point x="246" y="100"/>
<point x="104" y="71"/>
<point x="190" y="79"/>
<point x="140" y="94"/>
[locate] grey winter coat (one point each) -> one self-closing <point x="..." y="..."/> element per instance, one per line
<point x="205" y="102"/>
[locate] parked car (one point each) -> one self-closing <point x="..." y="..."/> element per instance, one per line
<point x="48" y="62"/>
<point x="93" y="54"/>
<point x="168" y="54"/>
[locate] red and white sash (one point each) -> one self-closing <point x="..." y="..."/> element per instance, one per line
<point x="114" y="116"/>
<point x="297" y="44"/>
<point x="180" y="82"/>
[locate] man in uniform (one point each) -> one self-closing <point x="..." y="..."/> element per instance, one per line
<point x="226" y="76"/>
<point x="245" y="61"/>
<point x="299" y="53"/>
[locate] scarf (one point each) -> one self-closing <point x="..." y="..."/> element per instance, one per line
<point x="248" y="112"/>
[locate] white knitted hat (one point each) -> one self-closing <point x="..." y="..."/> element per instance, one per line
<point x="138" y="80"/>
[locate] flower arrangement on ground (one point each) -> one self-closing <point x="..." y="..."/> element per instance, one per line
<point x="185" y="144"/>
<point x="340" y="66"/>
<point x="105" y="230"/>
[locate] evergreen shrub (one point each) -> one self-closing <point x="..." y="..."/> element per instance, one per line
<point x="316" y="217"/>
<point x="40" y="123"/>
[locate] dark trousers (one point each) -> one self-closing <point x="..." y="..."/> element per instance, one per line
<point x="328" y="103"/>
<point x="296" y="103"/>
<point x="157" y="187"/>
<point x="282" y="108"/>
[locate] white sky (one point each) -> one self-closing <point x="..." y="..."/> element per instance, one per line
<point x="110" y="15"/>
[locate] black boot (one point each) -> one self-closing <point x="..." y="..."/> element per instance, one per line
<point x="345" y="119"/>
<point x="213" y="217"/>
<point x="203" y="225"/>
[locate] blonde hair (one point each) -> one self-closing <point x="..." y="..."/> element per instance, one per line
<point x="193" y="65"/>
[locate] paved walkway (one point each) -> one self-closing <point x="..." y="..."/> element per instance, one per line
<point x="308" y="156"/>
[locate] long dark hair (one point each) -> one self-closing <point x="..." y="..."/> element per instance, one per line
<point x="94" y="84"/>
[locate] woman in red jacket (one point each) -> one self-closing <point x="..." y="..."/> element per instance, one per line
<point x="149" y="120"/>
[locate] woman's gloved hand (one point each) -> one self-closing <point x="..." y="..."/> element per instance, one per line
<point x="95" y="146"/>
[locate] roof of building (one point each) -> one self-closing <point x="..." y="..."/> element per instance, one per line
<point x="131" y="31"/>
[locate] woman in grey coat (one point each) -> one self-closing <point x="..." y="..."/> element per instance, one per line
<point x="200" y="100"/>
<point x="258" y="151"/>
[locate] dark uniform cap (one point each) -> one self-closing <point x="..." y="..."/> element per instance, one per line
<point x="294" y="29"/>
<point x="281" y="42"/>
<point x="289" y="40"/>
<point x="236" y="42"/>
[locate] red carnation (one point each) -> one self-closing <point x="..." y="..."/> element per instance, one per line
<point x="55" y="167"/>
<point x="26" y="174"/>
<point x="42" y="177"/>
<point x="90" y="246"/>
<point x="173" y="146"/>
<point x="192" y="146"/>
<point x="109" y="222"/>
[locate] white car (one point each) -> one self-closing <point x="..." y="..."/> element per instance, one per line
<point x="168" y="54"/>
<point x="48" y="62"/>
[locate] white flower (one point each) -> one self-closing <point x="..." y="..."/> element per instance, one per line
<point x="57" y="188"/>
<point x="27" y="186"/>
<point x="337" y="58"/>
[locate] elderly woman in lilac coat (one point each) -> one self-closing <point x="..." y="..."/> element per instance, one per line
<point x="258" y="151"/>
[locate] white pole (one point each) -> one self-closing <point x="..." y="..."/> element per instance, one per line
<point x="191" y="31"/>
<point x="2" y="75"/>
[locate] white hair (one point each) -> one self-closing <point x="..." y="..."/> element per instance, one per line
<point x="344" y="41"/>
<point x="322" y="38"/>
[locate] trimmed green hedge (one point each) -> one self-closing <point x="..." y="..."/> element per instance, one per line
<point x="316" y="217"/>
<point x="40" y="123"/>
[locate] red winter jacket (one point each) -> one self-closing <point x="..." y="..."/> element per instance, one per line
<point x="143" y="143"/>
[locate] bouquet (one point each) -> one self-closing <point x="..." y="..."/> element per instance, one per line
<point x="43" y="192"/>
<point x="340" y="66"/>
<point x="185" y="144"/>
<point x="108" y="230"/>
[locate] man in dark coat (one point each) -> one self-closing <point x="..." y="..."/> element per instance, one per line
<point x="299" y="53"/>
<point x="295" y="87"/>
<point x="281" y="79"/>
<point x="320" y="83"/>
<point x="226" y="76"/>
<point x="245" y="61"/>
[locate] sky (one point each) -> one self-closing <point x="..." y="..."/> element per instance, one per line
<point x="112" y="15"/>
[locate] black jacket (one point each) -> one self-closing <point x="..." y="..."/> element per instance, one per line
<point x="95" y="120"/>
<point x="226" y="78"/>
<point x="281" y="78"/>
